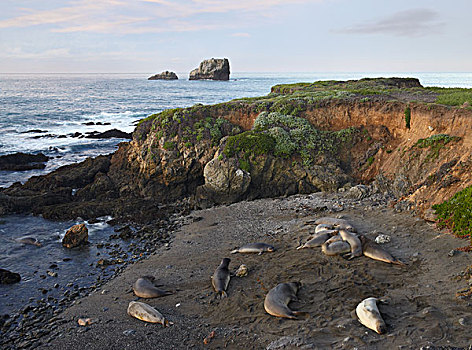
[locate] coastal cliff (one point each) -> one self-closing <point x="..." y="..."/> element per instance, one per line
<point x="411" y="142"/>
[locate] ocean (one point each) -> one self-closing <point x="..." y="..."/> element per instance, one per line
<point x="42" y="112"/>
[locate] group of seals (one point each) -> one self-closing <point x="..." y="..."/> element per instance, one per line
<point x="335" y="236"/>
<point x="338" y="236"/>
<point x="145" y="287"/>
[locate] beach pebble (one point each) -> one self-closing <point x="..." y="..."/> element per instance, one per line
<point x="129" y="332"/>
<point x="463" y="321"/>
<point x="382" y="238"/>
<point x="84" y="321"/>
<point x="451" y="253"/>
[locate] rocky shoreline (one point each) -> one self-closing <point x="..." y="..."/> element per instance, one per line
<point x="421" y="311"/>
<point x="383" y="156"/>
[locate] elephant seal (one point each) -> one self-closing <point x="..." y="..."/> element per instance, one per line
<point x="221" y="277"/>
<point x="374" y="251"/>
<point x="146" y="313"/>
<point x="337" y="223"/>
<point x="29" y="240"/>
<point x="369" y="315"/>
<point x="318" y="239"/>
<point x="323" y="227"/>
<point x="335" y="246"/>
<point x="354" y="242"/>
<point x="277" y="300"/>
<point x="144" y="288"/>
<point x="254" y="248"/>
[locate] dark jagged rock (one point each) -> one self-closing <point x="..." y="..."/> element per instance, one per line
<point x="109" y="134"/>
<point x="23" y="161"/>
<point x="77" y="235"/>
<point x="7" y="277"/>
<point x="212" y="69"/>
<point x="164" y="76"/>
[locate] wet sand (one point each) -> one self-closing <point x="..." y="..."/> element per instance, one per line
<point x="422" y="309"/>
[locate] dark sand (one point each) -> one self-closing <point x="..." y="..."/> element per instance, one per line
<point x="422" y="308"/>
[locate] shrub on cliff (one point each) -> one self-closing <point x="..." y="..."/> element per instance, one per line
<point x="456" y="213"/>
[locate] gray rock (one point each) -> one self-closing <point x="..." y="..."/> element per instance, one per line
<point x="358" y="192"/>
<point x="382" y="238"/>
<point x="212" y="69"/>
<point x="164" y="76"/>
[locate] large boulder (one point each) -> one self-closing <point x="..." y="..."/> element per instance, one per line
<point x="212" y="69"/>
<point x="164" y="76"/>
<point x="23" y="161"/>
<point x="113" y="133"/>
<point x="7" y="277"/>
<point x="77" y="235"/>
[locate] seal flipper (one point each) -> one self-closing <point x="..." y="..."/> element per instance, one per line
<point x="221" y="294"/>
<point x="235" y="251"/>
<point x="301" y="314"/>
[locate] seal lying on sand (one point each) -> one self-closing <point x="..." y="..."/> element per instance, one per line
<point x="146" y="313"/>
<point x="318" y="239"/>
<point x="354" y="242"/>
<point x="29" y="240"/>
<point x="335" y="246"/>
<point x="323" y="227"/>
<point x="374" y="251"/>
<point x="277" y="300"/>
<point x="220" y="278"/>
<point x="369" y="315"/>
<point x="254" y="248"/>
<point x="337" y="223"/>
<point x="144" y="288"/>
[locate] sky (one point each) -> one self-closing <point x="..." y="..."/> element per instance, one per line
<point x="150" y="36"/>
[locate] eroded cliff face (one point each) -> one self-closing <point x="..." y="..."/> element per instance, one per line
<point x="262" y="147"/>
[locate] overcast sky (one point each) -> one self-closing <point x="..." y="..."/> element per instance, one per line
<point x="150" y="36"/>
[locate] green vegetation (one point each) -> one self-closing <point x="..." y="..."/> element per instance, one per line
<point x="168" y="145"/>
<point x="286" y="136"/>
<point x="452" y="96"/>
<point x="249" y="143"/>
<point x="456" y="213"/>
<point x="370" y="160"/>
<point x="407" y="117"/>
<point x="435" y="143"/>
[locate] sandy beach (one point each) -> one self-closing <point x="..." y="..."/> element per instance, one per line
<point x="422" y="309"/>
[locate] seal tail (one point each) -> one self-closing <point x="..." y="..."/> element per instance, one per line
<point x="234" y="251"/>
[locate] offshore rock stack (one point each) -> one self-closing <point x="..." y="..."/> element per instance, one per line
<point x="212" y="69"/>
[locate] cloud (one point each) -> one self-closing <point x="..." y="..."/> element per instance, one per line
<point x="414" y="22"/>
<point x="145" y="16"/>
<point x="18" y="53"/>
<point x="241" y="35"/>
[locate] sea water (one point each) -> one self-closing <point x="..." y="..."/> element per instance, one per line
<point x="41" y="112"/>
